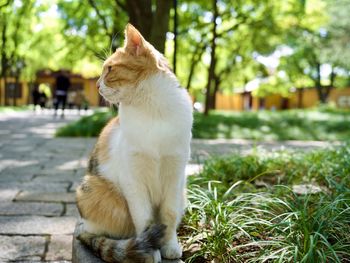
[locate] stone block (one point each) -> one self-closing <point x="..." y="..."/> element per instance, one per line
<point x="8" y="194"/>
<point x="36" y="225"/>
<point x="20" y="208"/>
<point x="74" y="186"/>
<point x="67" y="176"/>
<point x="52" y="187"/>
<point x="18" y="248"/>
<point x="60" y="248"/>
<point x="72" y="210"/>
<point x="46" y="197"/>
<point x="10" y="177"/>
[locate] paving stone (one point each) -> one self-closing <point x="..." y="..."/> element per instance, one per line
<point x="16" y="248"/>
<point x="60" y="248"/>
<point x="15" y="161"/>
<point x="7" y="177"/>
<point x="74" y="186"/>
<point x="52" y="187"/>
<point x="49" y="170"/>
<point x="67" y="176"/>
<point x="29" y="170"/>
<point x="46" y="197"/>
<point x="69" y="165"/>
<point x="18" y="163"/>
<point x="72" y="210"/>
<point x="8" y="194"/>
<point x="36" y="225"/>
<point x="305" y="189"/>
<point x="20" y="208"/>
<point x="81" y="172"/>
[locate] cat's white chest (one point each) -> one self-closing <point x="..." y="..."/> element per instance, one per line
<point x="156" y="136"/>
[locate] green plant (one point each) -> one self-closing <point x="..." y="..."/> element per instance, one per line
<point x="87" y="126"/>
<point x="263" y="125"/>
<point x="231" y="219"/>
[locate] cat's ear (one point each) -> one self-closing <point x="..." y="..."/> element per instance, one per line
<point x="134" y="42"/>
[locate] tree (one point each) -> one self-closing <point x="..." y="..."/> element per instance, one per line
<point x="109" y="18"/>
<point x="210" y="88"/>
<point x="238" y="30"/>
<point x="151" y="18"/>
<point x="14" y="17"/>
<point x="319" y="40"/>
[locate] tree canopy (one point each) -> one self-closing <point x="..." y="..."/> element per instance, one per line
<point x="222" y="45"/>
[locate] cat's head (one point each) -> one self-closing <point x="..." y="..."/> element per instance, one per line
<point x="128" y="66"/>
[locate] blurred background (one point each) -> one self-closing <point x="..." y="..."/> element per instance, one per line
<point x="230" y="55"/>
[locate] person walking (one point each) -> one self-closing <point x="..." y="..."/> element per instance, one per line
<point x="36" y="97"/>
<point x="62" y="86"/>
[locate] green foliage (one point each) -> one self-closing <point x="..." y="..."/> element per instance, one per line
<point x="323" y="124"/>
<point x="68" y="34"/>
<point x="269" y="125"/>
<point x="227" y="221"/>
<point x="281" y="168"/>
<point x="6" y="109"/>
<point x="87" y="126"/>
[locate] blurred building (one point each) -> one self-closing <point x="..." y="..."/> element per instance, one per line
<point x="300" y="98"/>
<point x="20" y="93"/>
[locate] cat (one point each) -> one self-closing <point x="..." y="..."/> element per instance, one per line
<point x="133" y="196"/>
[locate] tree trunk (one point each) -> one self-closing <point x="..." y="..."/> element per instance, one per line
<point x="152" y="25"/>
<point x="140" y="15"/>
<point x="318" y="83"/>
<point x="196" y="57"/>
<point x="322" y="91"/>
<point x="300" y="97"/>
<point x="4" y="62"/>
<point x="160" y="25"/>
<point x="211" y="72"/>
<point x="217" y="82"/>
<point x="175" y="35"/>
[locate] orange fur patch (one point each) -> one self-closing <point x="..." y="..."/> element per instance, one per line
<point x="102" y="203"/>
<point x="123" y="69"/>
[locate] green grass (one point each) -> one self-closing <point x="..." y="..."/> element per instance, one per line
<point x="317" y="124"/>
<point x="6" y="109"/>
<point x="87" y="126"/>
<point x="238" y="211"/>
<point x="274" y="125"/>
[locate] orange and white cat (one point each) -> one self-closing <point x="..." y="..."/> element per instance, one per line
<point x="134" y="187"/>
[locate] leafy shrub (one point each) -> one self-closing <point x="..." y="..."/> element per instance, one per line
<point x="227" y="221"/>
<point x="87" y="126"/>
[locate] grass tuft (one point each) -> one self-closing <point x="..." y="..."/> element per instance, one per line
<point x="232" y="218"/>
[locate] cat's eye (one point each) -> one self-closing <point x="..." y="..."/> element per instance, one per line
<point x="109" y="68"/>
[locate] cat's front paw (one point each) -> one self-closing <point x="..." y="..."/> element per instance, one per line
<point x="171" y="251"/>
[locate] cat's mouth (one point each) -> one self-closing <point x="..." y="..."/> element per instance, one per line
<point x="110" y="94"/>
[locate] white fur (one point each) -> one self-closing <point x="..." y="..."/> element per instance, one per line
<point x="149" y="152"/>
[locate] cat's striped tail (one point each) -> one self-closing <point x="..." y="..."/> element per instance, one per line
<point x="136" y="249"/>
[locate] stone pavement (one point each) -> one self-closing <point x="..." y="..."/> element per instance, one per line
<point x="38" y="177"/>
